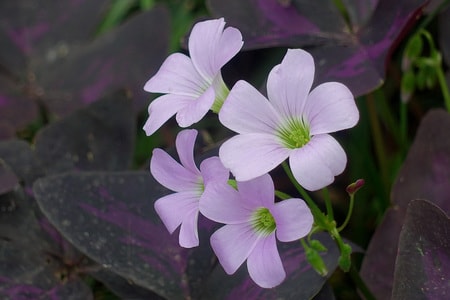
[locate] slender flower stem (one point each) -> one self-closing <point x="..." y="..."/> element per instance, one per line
<point x="312" y="205"/>
<point x="403" y="124"/>
<point x="349" y="213"/>
<point x="378" y="140"/>
<point x="326" y="196"/>
<point x="281" y="195"/>
<point x="444" y="87"/>
<point x="360" y="284"/>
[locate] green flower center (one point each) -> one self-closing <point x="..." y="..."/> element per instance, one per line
<point x="294" y="134"/>
<point x="222" y="91"/>
<point x="263" y="221"/>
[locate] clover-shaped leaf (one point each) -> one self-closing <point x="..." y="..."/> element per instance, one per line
<point x="425" y="174"/>
<point x="51" y="58"/>
<point x="422" y="268"/>
<point x="353" y="54"/>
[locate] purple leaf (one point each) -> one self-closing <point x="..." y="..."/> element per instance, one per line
<point x="240" y="285"/>
<point x="8" y="179"/>
<point x="422" y="268"/>
<point x="98" y="137"/>
<point x="125" y="57"/>
<point x="110" y="217"/>
<point x="50" y="56"/>
<point x="354" y="56"/>
<point x="30" y="267"/>
<point x="20" y="157"/>
<point x="425" y="174"/>
<point x="36" y="27"/>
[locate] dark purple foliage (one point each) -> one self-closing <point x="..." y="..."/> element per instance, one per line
<point x="49" y="58"/>
<point x="425" y="174"/>
<point x="353" y="54"/>
<point x="38" y="262"/>
<point x="422" y="268"/>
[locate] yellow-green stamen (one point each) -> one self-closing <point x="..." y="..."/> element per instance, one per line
<point x="263" y="221"/>
<point x="294" y="134"/>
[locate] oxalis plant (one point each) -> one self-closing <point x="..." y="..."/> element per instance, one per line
<point x="272" y="163"/>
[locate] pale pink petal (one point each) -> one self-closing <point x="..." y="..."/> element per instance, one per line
<point x="188" y="231"/>
<point x="162" y="109"/>
<point x="289" y="83"/>
<point x="229" y="45"/>
<point x="309" y="169"/>
<point x="210" y="46"/>
<point x="258" y="192"/>
<point x="171" y="174"/>
<point x="212" y="170"/>
<point x="251" y="155"/>
<point x="293" y="218"/>
<point x="245" y="110"/>
<point x="222" y="203"/>
<point x="177" y="75"/>
<point x="264" y="263"/>
<point x="172" y="209"/>
<point x="330" y="151"/>
<point x="233" y="244"/>
<point x="196" y="109"/>
<point x="331" y="107"/>
<point x="185" y="142"/>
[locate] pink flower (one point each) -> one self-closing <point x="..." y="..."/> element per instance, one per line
<point x="292" y="123"/>
<point x="193" y="85"/>
<point x="253" y="220"/>
<point x="188" y="183"/>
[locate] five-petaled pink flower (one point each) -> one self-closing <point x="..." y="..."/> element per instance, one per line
<point x="292" y="123"/>
<point x="253" y="221"/>
<point x="193" y="85"/>
<point x="189" y="184"/>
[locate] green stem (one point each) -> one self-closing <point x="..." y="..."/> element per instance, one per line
<point x="326" y="196"/>
<point x="403" y="124"/>
<point x="349" y="213"/>
<point x="360" y="284"/>
<point x="444" y="87"/>
<point x="281" y="195"/>
<point x="378" y="139"/>
<point x="312" y="205"/>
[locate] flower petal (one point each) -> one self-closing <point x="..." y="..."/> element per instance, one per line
<point x="251" y="155"/>
<point x="173" y="208"/>
<point x="213" y="170"/>
<point x="315" y="164"/>
<point x="331" y="107"/>
<point x="293" y="218"/>
<point x="233" y="244"/>
<point x="177" y="75"/>
<point x="245" y="111"/>
<point x="188" y="232"/>
<point x="171" y="174"/>
<point x="185" y="142"/>
<point x="257" y="192"/>
<point x="309" y="169"/>
<point x="289" y="83"/>
<point x="162" y="109"/>
<point x="210" y="47"/>
<point x="229" y="45"/>
<point x="331" y="152"/>
<point x="264" y="263"/>
<point x="222" y="203"/>
<point x="196" y="109"/>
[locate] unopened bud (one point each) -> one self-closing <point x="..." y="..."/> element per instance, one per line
<point x="315" y="260"/>
<point x="345" y="260"/>
<point x="355" y="186"/>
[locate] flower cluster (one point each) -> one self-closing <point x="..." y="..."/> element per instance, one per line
<point x="291" y="123"/>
